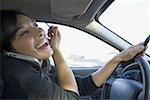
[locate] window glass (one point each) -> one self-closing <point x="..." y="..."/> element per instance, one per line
<point x="130" y="19"/>
<point x="81" y="49"/>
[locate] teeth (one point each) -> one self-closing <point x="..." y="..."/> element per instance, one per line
<point x="43" y="42"/>
<point x="48" y="37"/>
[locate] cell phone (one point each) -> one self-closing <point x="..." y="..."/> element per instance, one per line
<point x="23" y="57"/>
<point x="146" y="41"/>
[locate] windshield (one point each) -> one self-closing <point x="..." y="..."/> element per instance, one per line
<point x="130" y="19"/>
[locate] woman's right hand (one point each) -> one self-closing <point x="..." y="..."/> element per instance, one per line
<point x="55" y="36"/>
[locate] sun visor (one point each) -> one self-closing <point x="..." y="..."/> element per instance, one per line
<point x="66" y="9"/>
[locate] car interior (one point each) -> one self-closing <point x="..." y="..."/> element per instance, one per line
<point x="130" y="80"/>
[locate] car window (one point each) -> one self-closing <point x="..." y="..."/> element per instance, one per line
<point x="129" y="19"/>
<point x="81" y="49"/>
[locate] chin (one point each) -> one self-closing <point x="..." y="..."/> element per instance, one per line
<point x="45" y="55"/>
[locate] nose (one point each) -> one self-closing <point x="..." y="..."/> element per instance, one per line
<point x="40" y="33"/>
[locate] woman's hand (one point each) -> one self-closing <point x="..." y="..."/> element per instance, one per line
<point x="65" y="75"/>
<point x="131" y="52"/>
<point x="55" y="36"/>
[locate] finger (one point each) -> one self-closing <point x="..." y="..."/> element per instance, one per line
<point x="145" y="48"/>
<point x="143" y="53"/>
<point x="55" y="30"/>
<point x="141" y="48"/>
<point x="50" y="31"/>
<point x="58" y="34"/>
<point x="50" y="34"/>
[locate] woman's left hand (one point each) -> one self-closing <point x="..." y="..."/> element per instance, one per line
<point x="131" y="52"/>
<point x="55" y="36"/>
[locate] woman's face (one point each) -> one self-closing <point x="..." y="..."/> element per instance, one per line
<point x="30" y="39"/>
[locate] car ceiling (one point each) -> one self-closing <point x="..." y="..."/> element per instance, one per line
<point x="69" y="12"/>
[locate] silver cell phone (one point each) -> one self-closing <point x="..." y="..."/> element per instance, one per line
<point x="23" y="57"/>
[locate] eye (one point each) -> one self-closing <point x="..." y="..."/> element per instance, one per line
<point x="24" y="33"/>
<point x="35" y="24"/>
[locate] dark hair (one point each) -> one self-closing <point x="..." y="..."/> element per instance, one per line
<point x="8" y="28"/>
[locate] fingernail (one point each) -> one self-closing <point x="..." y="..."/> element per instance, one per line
<point x="52" y="33"/>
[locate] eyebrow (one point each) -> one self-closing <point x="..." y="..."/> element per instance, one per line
<point x="33" y="21"/>
<point x="19" y="28"/>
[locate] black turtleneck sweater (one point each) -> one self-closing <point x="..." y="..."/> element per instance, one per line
<point x="24" y="80"/>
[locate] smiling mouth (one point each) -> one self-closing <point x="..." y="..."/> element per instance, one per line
<point x="43" y="44"/>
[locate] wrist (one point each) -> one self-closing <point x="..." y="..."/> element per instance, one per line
<point x="56" y="51"/>
<point x="117" y="58"/>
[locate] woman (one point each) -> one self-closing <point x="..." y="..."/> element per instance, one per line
<point x="25" y="50"/>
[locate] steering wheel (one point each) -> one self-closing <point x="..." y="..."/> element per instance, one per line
<point x="127" y="89"/>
